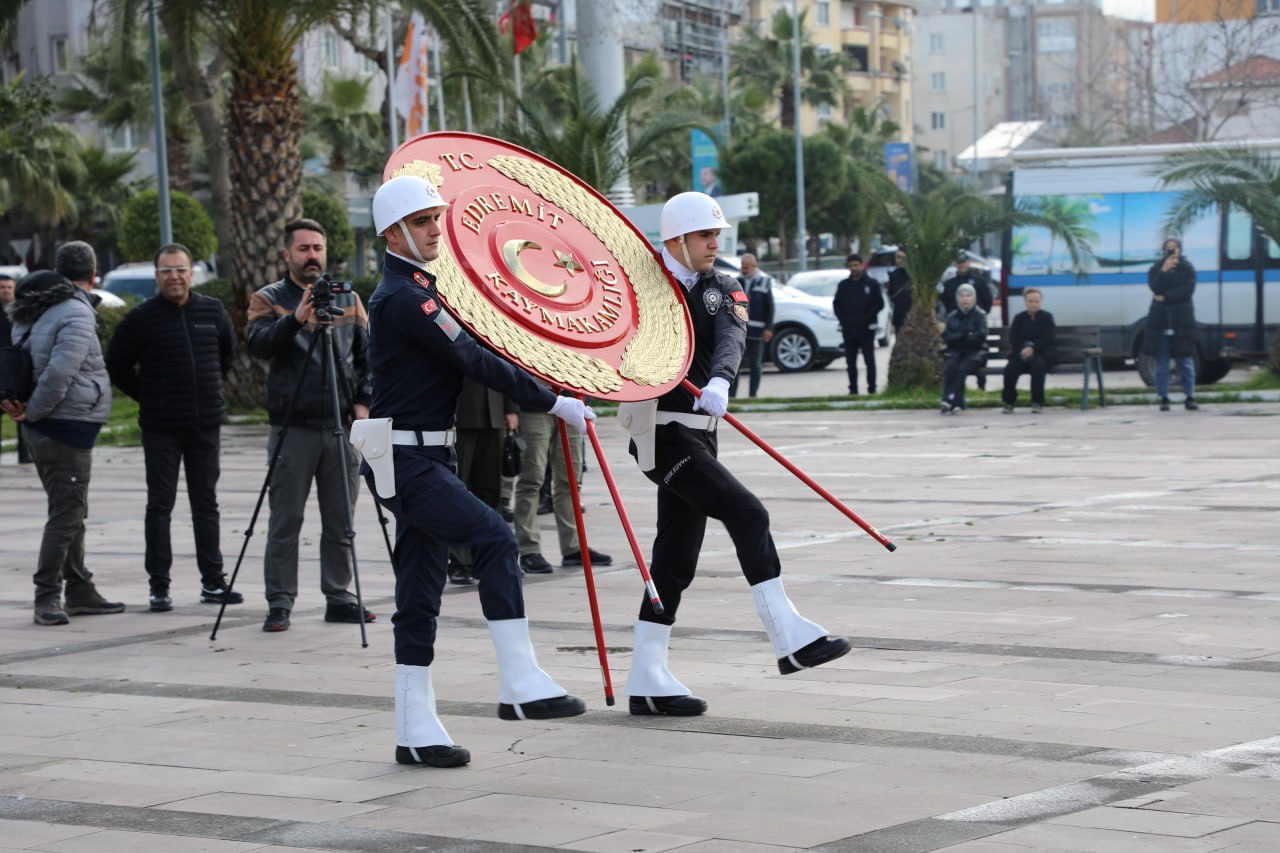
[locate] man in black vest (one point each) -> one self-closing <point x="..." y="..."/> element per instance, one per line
<point x="171" y="353"/>
<point x="857" y="304"/>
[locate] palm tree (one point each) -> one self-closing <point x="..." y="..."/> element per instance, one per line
<point x="931" y="228"/>
<point x="1221" y="177"/>
<point x="350" y="132"/>
<point x="38" y="162"/>
<point x="564" y="123"/>
<point x="765" y="62"/>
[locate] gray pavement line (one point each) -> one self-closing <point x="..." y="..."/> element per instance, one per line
<point x="1010" y="813"/>
<point x="872" y="643"/>
<point x="729" y="726"/>
<point x="163" y="822"/>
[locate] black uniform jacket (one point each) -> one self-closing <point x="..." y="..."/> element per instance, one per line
<point x="419" y="355"/>
<point x="276" y="334"/>
<point x="718" y="308"/>
<point x="857" y="304"/>
<point x="172" y="359"/>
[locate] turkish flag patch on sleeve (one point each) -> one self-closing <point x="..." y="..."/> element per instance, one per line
<point x="738" y="296"/>
<point x="430" y="307"/>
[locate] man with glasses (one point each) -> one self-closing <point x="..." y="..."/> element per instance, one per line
<point x="171" y="353"/>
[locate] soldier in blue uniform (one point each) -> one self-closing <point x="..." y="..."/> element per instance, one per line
<point x="419" y="355"/>
<point x="674" y="441"/>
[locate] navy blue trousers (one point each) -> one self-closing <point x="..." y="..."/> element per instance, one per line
<point x="434" y="512"/>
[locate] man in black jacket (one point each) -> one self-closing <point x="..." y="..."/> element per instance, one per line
<point x="759" y="289"/>
<point x="857" y="305"/>
<point x="171" y="354"/>
<point x="282" y="320"/>
<point x="1032" y="349"/>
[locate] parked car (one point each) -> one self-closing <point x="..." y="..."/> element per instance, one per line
<point x="139" y="279"/>
<point x="806" y="335"/>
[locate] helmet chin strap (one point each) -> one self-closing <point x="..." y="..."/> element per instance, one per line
<point x="413" y="245"/>
<point x="684" y="247"/>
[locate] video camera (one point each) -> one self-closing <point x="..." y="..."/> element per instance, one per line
<point x="322" y="293"/>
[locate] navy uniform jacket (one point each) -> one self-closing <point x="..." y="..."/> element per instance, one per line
<point x="419" y="354"/>
<point x="718" y="309"/>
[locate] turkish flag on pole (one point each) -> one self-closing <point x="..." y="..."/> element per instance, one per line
<point x="518" y="20"/>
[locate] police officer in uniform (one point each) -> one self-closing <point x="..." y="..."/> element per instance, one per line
<point x="419" y="355"/>
<point x="674" y="441"/>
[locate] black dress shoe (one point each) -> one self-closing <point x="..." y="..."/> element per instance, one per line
<point x="672" y="706"/>
<point x="535" y="564"/>
<point x="575" y="558"/>
<point x="460" y="575"/>
<point x="544" y="709"/>
<point x="1191" y="405"/>
<point x="433" y="756"/>
<point x="818" y="652"/>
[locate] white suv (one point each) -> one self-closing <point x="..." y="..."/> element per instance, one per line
<point x="806" y="334"/>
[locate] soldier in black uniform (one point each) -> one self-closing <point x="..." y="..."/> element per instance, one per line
<point x="419" y="355"/>
<point x="676" y="448"/>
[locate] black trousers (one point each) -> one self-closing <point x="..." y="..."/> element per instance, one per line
<point x="955" y="370"/>
<point x="866" y="346"/>
<point x="692" y="487"/>
<point x="753" y="362"/>
<point x="1037" y="367"/>
<point x="197" y="451"/>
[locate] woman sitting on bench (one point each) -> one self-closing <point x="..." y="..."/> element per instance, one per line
<point x="966" y="340"/>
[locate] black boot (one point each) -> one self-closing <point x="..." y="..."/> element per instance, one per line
<point x="820" y="651"/>
<point x="671" y="706"/>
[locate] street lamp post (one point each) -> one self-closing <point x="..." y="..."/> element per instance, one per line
<point x="162" y="154"/>
<point x="795" y="113"/>
<point x="976" y="114"/>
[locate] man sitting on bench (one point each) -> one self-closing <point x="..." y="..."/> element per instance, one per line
<point x="1032" y="350"/>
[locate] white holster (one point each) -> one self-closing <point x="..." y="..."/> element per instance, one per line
<point x="372" y="437"/>
<point x="638" y="419"/>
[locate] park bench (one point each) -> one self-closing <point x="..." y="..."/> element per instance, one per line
<point x="1078" y="347"/>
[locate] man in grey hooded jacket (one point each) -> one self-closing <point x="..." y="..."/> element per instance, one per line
<point x="67" y="409"/>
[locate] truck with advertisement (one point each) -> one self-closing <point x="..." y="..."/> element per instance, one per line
<point x="1114" y="197"/>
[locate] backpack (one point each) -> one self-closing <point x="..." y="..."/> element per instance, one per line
<point x="17" y="376"/>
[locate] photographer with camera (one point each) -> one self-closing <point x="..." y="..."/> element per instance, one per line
<point x="283" y="317"/>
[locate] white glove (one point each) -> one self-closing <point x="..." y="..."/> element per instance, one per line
<point x="715" y="398"/>
<point x="573" y="412"/>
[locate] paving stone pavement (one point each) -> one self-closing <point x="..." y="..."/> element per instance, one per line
<point x="1074" y="648"/>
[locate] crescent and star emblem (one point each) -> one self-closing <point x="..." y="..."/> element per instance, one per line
<point x="564" y="260"/>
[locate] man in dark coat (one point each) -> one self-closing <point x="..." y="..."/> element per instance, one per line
<point x="857" y="304"/>
<point x="171" y="353"/>
<point x="483" y="418"/>
<point x="1171" y="322"/>
<point x="1032" y="349"/>
<point x="966" y="273"/>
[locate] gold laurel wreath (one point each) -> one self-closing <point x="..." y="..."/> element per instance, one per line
<point x="656" y="352"/>
<point x="584" y="372"/>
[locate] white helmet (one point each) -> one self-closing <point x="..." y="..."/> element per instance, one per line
<point x="401" y="196"/>
<point x="688" y="212"/>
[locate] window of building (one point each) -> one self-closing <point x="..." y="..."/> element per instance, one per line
<point x="938" y="81"/>
<point x="823" y="8"/>
<point x="1268" y="7"/>
<point x="938" y="121"/>
<point x="120" y="139"/>
<point x="936" y="42"/>
<point x="330" y="47"/>
<point x="60" y="59"/>
<point x="824" y="113"/>
<point x="858" y="56"/>
<point x="940" y="159"/>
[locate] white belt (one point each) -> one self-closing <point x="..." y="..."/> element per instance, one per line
<point x="417" y="438"/>
<point x="702" y="422"/>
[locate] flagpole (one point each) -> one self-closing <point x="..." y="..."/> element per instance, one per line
<point x="519" y="96"/>
<point x="435" y="56"/>
<point x="391" y="80"/>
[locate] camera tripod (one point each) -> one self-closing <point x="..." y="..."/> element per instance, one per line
<point x="324" y="323"/>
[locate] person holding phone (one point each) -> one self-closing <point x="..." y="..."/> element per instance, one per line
<point x="1171" y="322"/>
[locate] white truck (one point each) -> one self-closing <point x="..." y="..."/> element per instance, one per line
<point x="1116" y="195"/>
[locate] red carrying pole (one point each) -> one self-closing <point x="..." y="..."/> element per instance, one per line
<point x="650" y="589"/>
<point x="804" y="478"/>
<point x="587" y="574"/>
